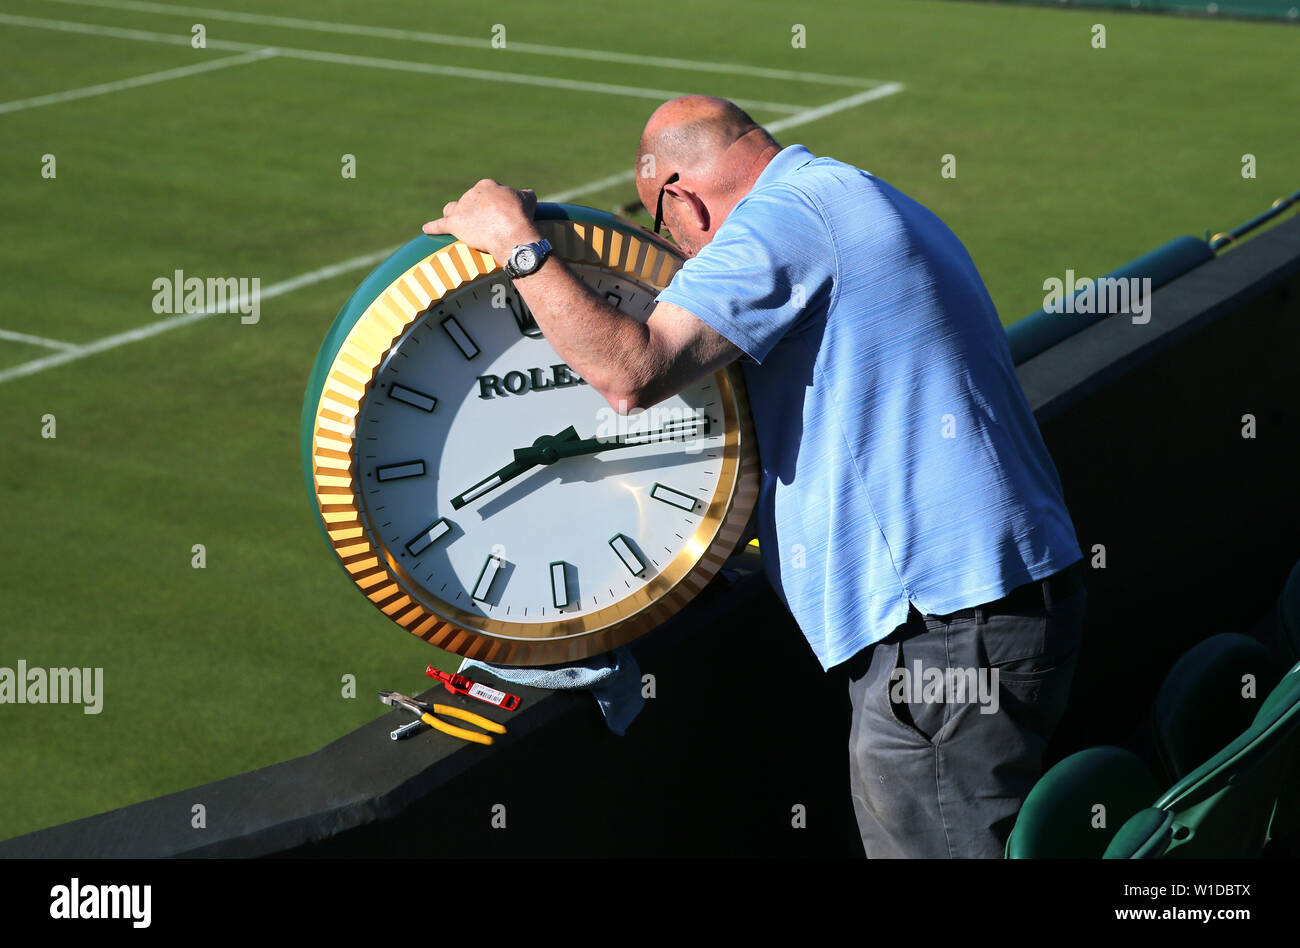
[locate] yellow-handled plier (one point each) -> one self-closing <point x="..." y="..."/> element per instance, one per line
<point x="426" y="714"/>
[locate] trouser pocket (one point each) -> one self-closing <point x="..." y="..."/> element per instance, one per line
<point x="1033" y="657"/>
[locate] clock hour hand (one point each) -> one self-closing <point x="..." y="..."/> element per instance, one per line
<point x="541" y="451"/>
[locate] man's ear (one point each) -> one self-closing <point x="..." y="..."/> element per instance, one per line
<point x="692" y="207"/>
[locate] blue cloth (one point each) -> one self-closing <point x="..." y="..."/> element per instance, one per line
<point x="614" y="679"/>
<point x="901" y="461"/>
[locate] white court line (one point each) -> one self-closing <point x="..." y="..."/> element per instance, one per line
<point x="276" y="289"/>
<point x="401" y="65"/>
<point x="37" y="340"/>
<point x="445" y="39"/>
<point x="175" y="322"/>
<point x="369" y="260"/>
<point x="149" y="79"/>
<point x="830" y="108"/>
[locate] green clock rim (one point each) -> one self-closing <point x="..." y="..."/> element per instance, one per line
<point x="379" y="279"/>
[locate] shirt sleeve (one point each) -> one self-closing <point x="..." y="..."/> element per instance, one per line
<point x="768" y="271"/>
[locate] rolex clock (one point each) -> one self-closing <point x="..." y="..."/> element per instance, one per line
<point x="486" y="498"/>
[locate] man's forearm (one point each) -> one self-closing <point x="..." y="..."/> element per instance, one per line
<point x="609" y="349"/>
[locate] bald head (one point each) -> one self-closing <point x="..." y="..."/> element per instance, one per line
<point x="693" y="131"/>
<point x="714" y="147"/>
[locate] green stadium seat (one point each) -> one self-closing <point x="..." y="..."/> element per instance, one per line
<point x="1146" y="835"/>
<point x="1288" y="618"/>
<point x="1225" y="807"/>
<point x="1059" y="819"/>
<point x="1201" y="707"/>
<point x="1286" y="639"/>
<point x="1285" y="824"/>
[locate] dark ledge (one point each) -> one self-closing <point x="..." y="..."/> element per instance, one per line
<point x="1082" y="364"/>
<point x="569" y="786"/>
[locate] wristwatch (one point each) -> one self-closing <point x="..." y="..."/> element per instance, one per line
<point x="527" y="258"/>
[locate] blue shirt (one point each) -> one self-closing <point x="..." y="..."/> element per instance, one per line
<point x="900" y="458"/>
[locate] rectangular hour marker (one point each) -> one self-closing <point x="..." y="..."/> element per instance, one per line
<point x="459" y="336"/>
<point x="524" y="318"/>
<point x="411" y="397"/>
<point x="395" y="472"/>
<point x="673" y="497"/>
<point x="627" y="554"/>
<point x="615" y="299"/>
<point x="559" y="585"/>
<point x="436" y="532"/>
<point x="490" y="570"/>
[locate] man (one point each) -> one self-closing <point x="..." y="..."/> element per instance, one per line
<point x="909" y="516"/>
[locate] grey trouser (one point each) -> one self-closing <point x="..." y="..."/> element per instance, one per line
<point x="932" y="776"/>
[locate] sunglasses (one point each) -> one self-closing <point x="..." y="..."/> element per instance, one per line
<point x="659" y="209"/>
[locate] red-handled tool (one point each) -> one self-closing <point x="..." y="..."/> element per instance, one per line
<point x="460" y="685"/>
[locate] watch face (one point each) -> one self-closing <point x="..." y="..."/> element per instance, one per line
<point x="499" y="507"/>
<point x="525" y="259"/>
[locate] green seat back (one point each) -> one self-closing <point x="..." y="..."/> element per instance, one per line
<point x="1205" y="702"/>
<point x="1223" y="808"/>
<point x="1286" y="816"/>
<point x="1146" y="835"/>
<point x="1075" y="808"/>
<point x="1288" y="618"/>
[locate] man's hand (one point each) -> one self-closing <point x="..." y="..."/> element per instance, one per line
<point x="490" y="217"/>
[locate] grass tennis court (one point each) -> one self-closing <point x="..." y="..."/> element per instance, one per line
<point x="227" y="161"/>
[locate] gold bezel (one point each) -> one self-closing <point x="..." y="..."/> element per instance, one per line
<point x="633" y="256"/>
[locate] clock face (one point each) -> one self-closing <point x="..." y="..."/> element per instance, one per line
<point x="493" y="502"/>
<point x="466" y="386"/>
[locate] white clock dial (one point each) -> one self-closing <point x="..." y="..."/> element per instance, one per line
<point x="482" y="495"/>
<point x="470" y="382"/>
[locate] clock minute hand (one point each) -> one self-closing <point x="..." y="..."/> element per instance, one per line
<point x="577" y="448"/>
<point x="672" y="432"/>
<point x="525" y="460"/>
<point x="550" y="448"/>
